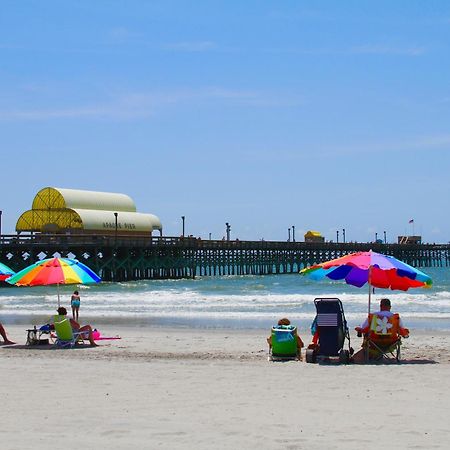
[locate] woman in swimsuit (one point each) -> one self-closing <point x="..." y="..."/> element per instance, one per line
<point x="75" y="304"/>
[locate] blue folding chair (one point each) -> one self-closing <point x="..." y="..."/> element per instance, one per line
<point x="332" y="329"/>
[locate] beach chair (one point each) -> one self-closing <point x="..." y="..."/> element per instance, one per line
<point x="284" y="343"/>
<point x="331" y="331"/>
<point x="39" y="336"/>
<point x="65" y="336"/>
<point x="383" y="340"/>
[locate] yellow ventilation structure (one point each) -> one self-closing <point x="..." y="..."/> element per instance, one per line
<point x="62" y="210"/>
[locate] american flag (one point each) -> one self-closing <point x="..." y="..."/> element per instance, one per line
<point x="327" y="320"/>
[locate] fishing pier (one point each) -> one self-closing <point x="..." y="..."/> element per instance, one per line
<point x="126" y="258"/>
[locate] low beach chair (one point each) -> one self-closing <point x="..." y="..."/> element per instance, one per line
<point x="331" y="332"/>
<point x="284" y="343"/>
<point x="383" y="340"/>
<point x="66" y="337"/>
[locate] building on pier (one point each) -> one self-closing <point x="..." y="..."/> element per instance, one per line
<point x="409" y="239"/>
<point x="314" y="236"/>
<point x="58" y="210"/>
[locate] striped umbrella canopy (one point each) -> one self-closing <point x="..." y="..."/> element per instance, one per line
<point x="5" y="272"/>
<point x="54" y="271"/>
<point x="376" y="269"/>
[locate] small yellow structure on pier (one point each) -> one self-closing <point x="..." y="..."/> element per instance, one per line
<point x="56" y="210"/>
<point x="314" y="236"/>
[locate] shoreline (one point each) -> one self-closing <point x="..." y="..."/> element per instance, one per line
<point x="426" y="325"/>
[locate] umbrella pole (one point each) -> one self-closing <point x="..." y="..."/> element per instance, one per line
<point x="59" y="303"/>
<point x="369" y="282"/>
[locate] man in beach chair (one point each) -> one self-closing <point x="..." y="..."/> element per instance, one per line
<point x="69" y="332"/>
<point x="383" y="332"/>
<point x="330" y="331"/>
<point x="284" y="342"/>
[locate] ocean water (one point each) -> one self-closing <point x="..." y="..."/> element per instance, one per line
<point x="226" y="302"/>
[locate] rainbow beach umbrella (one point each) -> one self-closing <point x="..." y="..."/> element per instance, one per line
<point x="5" y="272"/>
<point x="54" y="271"/>
<point x="375" y="269"/>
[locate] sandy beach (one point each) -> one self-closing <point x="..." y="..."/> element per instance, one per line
<point x="203" y="389"/>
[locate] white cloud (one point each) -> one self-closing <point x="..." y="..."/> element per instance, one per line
<point x="190" y="46"/>
<point x="295" y="15"/>
<point x="387" y="50"/>
<point x="306" y="153"/>
<point x="251" y="98"/>
<point x="122" y="33"/>
<point x="10" y="47"/>
<point x="126" y="107"/>
<point x="99" y="112"/>
<point x="437" y="141"/>
<point x="357" y="50"/>
<point x="145" y="104"/>
<point x="431" y="142"/>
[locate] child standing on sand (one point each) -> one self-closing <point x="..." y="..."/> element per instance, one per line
<point x="75" y="304"/>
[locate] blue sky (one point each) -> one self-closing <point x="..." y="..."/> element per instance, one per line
<point x="324" y="115"/>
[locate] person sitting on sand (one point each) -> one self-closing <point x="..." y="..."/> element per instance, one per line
<point x="315" y="334"/>
<point x="86" y="329"/>
<point x="364" y="329"/>
<point x="4" y="336"/>
<point x="286" y="322"/>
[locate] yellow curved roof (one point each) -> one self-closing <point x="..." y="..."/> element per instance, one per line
<point x="48" y="220"/>
<point x="312" y="233"/>
<point x="59" y="198"/>
<point x="87" y="219"/>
